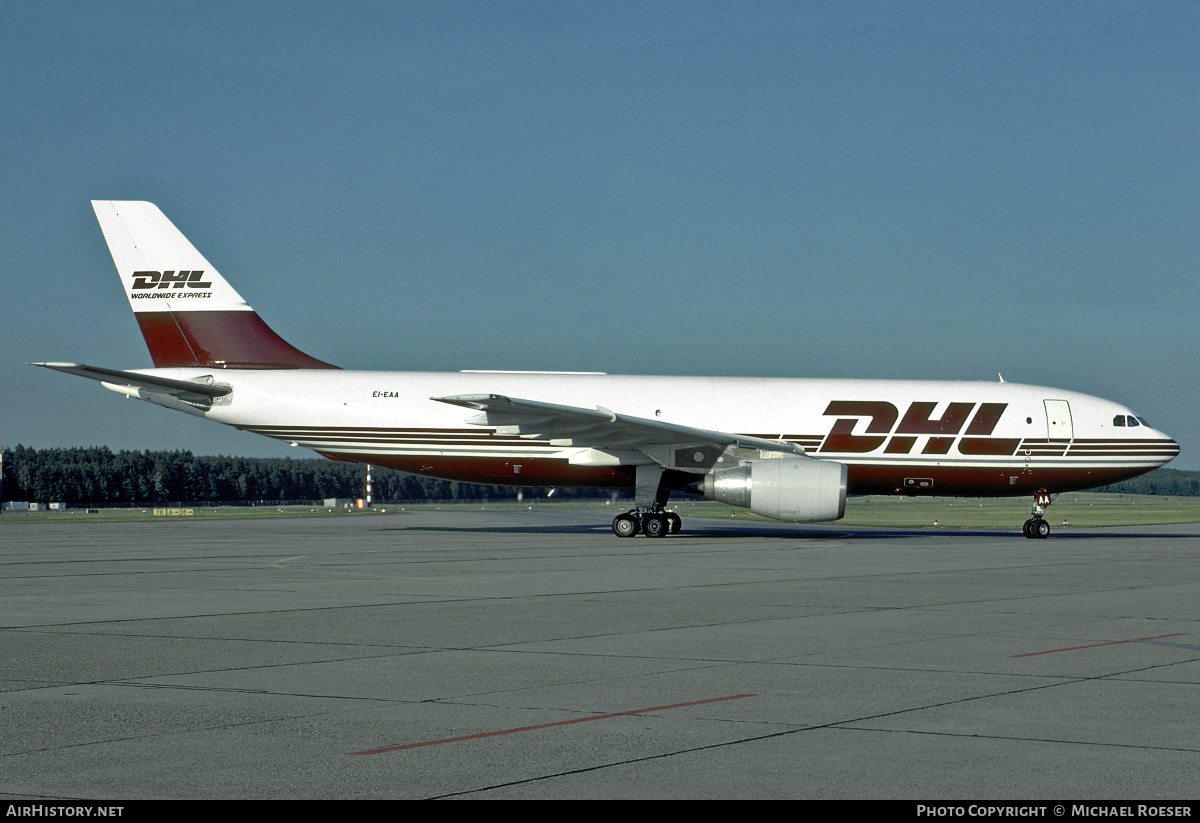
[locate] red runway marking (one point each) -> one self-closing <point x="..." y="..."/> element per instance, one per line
<point x="551" y="725"/>
<point x="1096" y="645"/>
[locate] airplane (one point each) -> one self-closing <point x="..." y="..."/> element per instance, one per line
<point x="786" y="448"/>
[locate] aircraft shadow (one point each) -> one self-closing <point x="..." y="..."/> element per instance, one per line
<point x="767" y="530"/>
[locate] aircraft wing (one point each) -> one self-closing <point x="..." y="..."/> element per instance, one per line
<point x="669" y="444"/>
<point x="198" y="391"/>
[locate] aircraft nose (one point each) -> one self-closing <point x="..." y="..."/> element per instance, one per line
<point x="1170" y="450"/>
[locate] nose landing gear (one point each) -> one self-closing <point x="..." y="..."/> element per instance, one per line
<point x="1036" y="527"/>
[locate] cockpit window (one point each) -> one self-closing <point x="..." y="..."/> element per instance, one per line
<point x="1129" y="420"/>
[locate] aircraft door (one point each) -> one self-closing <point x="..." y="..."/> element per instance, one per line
<point x="1058" y="420"/>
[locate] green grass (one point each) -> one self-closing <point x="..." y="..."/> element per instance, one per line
<point x="1079" y="509"/>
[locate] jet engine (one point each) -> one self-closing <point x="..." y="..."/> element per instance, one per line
<point x="783" y="488"/>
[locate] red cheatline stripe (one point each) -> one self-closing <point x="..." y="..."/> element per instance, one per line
<point x="551" y="725"/>
<point x="1097" y="645"/>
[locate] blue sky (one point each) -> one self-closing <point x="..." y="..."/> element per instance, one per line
<point x="914" y="190"/>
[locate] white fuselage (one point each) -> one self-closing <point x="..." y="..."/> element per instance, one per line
<point x="896" y="436"/>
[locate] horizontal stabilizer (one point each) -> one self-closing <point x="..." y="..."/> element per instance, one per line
<point x="198" y="390"/>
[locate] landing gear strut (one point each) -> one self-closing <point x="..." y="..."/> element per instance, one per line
<point x="1036" y="527"/>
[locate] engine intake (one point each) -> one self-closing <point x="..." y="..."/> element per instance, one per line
<point x="797" y="489"/>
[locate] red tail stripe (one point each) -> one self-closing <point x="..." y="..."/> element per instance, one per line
<point x="219" y="339"/>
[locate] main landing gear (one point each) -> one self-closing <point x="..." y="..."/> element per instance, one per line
<point x="654" y="523"/>
<point x="649" y="515"/>
<point x="1036" y="527"/>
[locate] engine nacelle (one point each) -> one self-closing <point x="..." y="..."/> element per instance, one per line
<point x="783" y="488"/>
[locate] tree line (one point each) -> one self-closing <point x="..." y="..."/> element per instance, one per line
<point x="1166" y="482"/>
<point x="99" y="476"/>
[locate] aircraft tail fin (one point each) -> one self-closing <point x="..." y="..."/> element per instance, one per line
<point x="188" y="313"/>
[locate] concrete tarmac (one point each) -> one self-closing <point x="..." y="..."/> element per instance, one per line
<point x="510" y="654"/>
